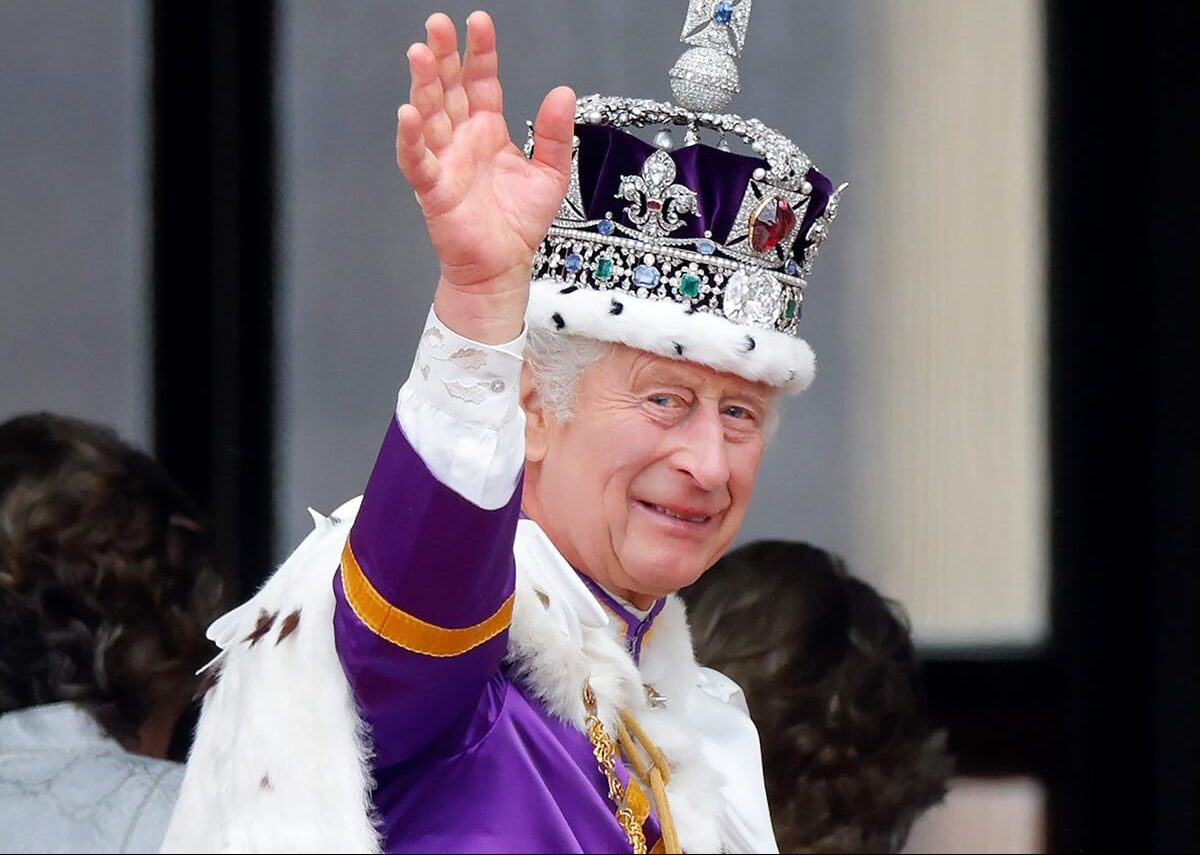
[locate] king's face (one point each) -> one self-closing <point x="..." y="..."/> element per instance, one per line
<point x="646" y="486"/>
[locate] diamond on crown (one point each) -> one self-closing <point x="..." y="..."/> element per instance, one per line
<point x="753" y="297"/>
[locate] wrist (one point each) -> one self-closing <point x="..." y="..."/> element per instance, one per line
<point x="489" y="313"/>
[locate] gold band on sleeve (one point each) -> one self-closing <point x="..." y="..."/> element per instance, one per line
<point x="409" y="632"/>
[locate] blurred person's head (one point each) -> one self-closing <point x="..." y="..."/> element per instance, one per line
<point x="831" y="679"/>
<point x="107" y="581"/>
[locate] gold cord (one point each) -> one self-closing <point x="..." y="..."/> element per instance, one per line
<point x="659" y="774"/>
<point x="605" y="753"/>
<point x="655" y="775"/>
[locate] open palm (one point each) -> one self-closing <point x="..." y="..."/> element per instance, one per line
<point x="486" y="207"/>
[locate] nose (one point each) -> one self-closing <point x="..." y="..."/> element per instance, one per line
<point x="702" y="453"/>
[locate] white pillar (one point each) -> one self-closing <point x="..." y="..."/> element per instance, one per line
<point x="947" y="317"/>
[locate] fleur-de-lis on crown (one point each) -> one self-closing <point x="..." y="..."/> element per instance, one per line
<point x="658" y="202"/>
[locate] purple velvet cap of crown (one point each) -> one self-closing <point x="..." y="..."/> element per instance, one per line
<point x="719" y="179"/>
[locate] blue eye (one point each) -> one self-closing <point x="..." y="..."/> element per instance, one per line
<point x="739" y="413"/>
<point x="660" y="400"/>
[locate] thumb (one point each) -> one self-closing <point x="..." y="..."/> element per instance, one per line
<point x="554" y="131"/>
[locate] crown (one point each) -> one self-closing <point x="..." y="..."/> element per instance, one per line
<point x="699" y="228"/>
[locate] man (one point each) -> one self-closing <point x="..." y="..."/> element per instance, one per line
<point x="508" y="669"/>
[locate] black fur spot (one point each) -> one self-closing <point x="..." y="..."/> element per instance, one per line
<point x="569" y="289"/>
<point x="750" y="343"/>
<point x="616" y="308"/>
<point x="678" y="348"/>
<point x="262" y="625"/>
<point x="288" y="626"/>
<point x="559" y="323"/>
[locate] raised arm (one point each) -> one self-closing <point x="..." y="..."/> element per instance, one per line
<point x="424" y="592"/>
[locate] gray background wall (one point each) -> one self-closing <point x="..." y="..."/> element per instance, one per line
<point x="72" y="212"/>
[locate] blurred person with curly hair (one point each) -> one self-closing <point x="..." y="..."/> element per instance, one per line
<point x="830" y="676"/>
<point x="107" y="583"/>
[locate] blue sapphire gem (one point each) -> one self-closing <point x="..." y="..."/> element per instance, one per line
<point x="605" y="227"/>
<point x="705" y="247"/>
<point x="573" y="262"/>
<point x="645" y="275"/>
<point x="792" y="269"/>
<point x="723" y="13"/>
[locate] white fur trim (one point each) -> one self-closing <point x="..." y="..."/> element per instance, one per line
<point x="657" y="326"/>
<point x="280" y="762"/>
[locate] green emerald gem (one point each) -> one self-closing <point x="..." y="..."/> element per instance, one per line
<point x="689" y="285"/>
<point x="604" y="268"/>
<point x="790" y="311"/>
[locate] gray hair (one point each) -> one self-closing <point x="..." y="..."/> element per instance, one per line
<point x="557" y="361"/>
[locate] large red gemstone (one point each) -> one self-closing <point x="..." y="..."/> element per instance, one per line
<point x="770" y="223"/>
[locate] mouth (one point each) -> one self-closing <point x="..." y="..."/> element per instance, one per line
<point x="688" y="518"/>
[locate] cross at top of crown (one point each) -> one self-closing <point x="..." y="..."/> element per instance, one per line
<point x="719" y="24"/>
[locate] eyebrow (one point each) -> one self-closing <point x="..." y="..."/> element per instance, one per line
<point x="671" y="375"/>
<point x="662" y="374"/>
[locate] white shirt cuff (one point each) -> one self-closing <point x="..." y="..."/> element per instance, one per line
<point x="460" y="410"/>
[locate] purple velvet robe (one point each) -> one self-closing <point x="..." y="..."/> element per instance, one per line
<point x="464" y="760"/>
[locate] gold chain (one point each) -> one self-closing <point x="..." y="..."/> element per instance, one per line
<point x="605" y="752"/>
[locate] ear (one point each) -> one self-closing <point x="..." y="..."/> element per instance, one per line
<point x="536" y="418"/>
